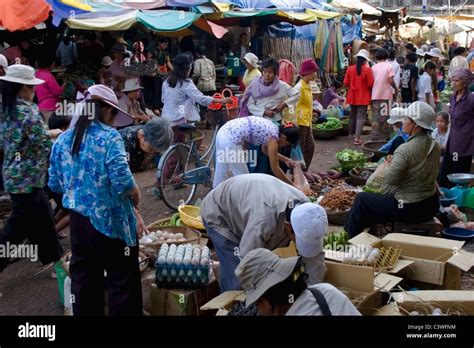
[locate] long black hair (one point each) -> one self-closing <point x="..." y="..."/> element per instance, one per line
<point x="181" y="65"/>
<point x="84" y="122"/>
<point x="359" y="63"/>
<point x="10" y="91"/>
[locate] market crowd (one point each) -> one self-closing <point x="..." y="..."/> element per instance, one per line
<point x="136" y="106"/>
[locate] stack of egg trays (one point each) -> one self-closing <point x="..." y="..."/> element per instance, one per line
<point x="178" y="282"/>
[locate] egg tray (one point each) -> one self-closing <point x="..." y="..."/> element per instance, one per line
<point x="194" y="281"/>
<point x="387" y="259"/>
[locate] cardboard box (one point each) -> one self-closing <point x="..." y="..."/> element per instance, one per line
<point x="221" y="304"/>
<point x="180" y="302"/>
<point x="451" y="302"/>
<point x="435" y="260"/>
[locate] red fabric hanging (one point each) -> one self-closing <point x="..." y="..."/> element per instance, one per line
<point x="23" y="14"/>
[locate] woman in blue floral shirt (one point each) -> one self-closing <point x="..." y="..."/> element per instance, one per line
<point x="89" y="167"/>
<point x="27" y="146"/>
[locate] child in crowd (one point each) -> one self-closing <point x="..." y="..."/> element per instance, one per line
<point x="396" y="117"/>
<point x="425" y="84"/>
<point x="441" y="132"/>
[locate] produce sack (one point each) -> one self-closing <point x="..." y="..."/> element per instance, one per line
<point x="375" y="181"/>
<point x="300" y="180"/>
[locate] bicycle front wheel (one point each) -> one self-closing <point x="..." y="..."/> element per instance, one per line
<point x="173" y="165"/>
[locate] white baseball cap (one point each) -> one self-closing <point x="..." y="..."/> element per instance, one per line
<point x="310" y="223"/>
<point x="23" y="74"/>
<point x="421" y="113"/>
<point x="396" y="115"/>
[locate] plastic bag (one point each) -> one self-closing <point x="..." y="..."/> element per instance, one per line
<point x="375" y="181"/>
<point x="300" y="180"/>
<point x="297" y="155"/>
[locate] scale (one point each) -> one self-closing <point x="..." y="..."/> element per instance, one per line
<point x="464" y="194"/>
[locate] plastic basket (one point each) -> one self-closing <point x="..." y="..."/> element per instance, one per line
<point x="191" y="216"/>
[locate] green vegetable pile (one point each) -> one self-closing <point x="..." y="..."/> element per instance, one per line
<point x="330" y="124"/>
<point x="350" y="159"/>
<point x="175" y="221"/>
<point x="445" y="95"/>
<point x="336" y="241"/>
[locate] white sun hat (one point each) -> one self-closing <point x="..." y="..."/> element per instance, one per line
<point x="435" y="52"/>
<point x="364" y="54"/>
<point x="131" y="85"/>
<point x="23" y="74"/>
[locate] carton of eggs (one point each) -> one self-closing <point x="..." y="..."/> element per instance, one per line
<point x="162" y="237"/>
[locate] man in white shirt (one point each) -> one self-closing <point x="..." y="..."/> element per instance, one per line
<point x="425" y="84"/>
<point x="278" y="287"/>
<point x="396" y="68"/>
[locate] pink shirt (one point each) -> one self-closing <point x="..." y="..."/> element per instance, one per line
<point x="382" y="89"/>
<point x="48" y="93"/>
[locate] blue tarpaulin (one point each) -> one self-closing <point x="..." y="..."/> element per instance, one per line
<point x="61" y="10"/>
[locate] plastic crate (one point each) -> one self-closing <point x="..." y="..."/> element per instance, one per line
<point x="182" y="276"/>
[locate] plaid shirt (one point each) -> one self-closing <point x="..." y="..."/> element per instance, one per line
<point x="27" y="146"/>
<point x="205" y="75"/>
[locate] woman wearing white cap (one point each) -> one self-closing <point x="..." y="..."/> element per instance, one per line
<point x="89" y="167"/>
<point x="27" y="147"/>
<point x="409" y="185"/>
<point x="278" y="287"/>
<point x="129" y="101"/>
<point x="252" y="211"/>
<point x="250" y="61"/>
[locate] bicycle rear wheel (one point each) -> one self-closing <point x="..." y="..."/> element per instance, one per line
<point x="173" y="165"/>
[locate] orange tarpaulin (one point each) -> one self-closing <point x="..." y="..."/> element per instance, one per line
<point x="23" y="14"/>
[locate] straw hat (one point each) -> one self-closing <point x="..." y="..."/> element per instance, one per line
<point x="121" y="40"/>
<point x="23" y="74"/>
<point x="131" y="85"/>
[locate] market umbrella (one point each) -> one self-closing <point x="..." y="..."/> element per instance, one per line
<point x="19" y="14"/>
<point x="166" y="22"/>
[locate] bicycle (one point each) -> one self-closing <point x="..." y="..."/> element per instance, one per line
<point x="181" y="168"/>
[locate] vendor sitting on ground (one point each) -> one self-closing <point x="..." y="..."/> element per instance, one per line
<point x="409" y="182"/>
<point x="149" y="139"/>
<point x="259" y="211"/>
<point x="129" y="102"/>
<point x="331" y="97"/>
<point x="236" y="134"/>
<point x="278" y="287"/>
<point x="396" y="120"/>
